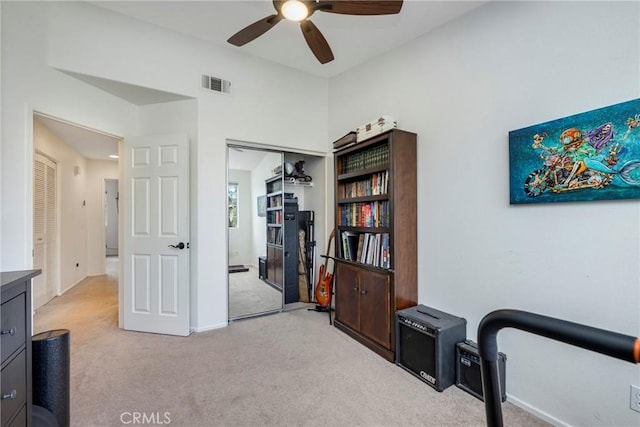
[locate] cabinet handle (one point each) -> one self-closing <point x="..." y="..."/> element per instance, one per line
<point x="11" y="331"/>
<point x="11" y="395"/>
<point x="363" y="292"/>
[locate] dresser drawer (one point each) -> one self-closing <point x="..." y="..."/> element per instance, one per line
<point x="13" y="325"/>
<point x="13" y="384"/>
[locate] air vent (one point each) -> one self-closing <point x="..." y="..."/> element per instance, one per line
<point x="215" y="84"/>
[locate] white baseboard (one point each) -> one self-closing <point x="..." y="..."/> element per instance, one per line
<point x="210" y="327"/>
<point x="63" y="291"/>
<point x="535" y="411"/>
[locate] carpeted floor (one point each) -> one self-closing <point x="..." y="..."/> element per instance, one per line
<point x="289" y="368"/>
<point x="248" y="294"/>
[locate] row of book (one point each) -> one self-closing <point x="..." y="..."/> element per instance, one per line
<point x="274" y="217"/>
<point x="371" y="158"/>
<point x="275" y="201"/>
<point x="365" y="214"/>
<point x="274" y="235"/>
<point x="366" y="248"/>
<point x="374" y="186"/>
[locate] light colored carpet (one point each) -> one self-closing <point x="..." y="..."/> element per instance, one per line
<point x="286" y="369"/>
<point x="249" y="295"/>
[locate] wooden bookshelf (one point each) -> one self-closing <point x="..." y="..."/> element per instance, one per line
<point x="376" y="241"/>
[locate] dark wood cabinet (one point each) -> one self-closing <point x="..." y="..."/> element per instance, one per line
<point x="376" y="241"/>
<point x="274" y="265"/>
<point x="15" y="326"/>
<point x="363" y="302"/>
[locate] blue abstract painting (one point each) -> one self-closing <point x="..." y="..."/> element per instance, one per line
<point x="589" y="156"/>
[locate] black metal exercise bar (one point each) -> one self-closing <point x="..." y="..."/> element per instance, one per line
<point x="610" y="343"/>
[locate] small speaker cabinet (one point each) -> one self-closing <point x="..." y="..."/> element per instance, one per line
<point x="468" y="372"/>
<point x="426" y="341"/>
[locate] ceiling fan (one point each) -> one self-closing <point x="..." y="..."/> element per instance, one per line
<point x="301" y="10"/>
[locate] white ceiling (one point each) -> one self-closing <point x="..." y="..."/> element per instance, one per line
<point x="245" y="158"/>
<point x="88" y="142"/>
<point x="353" y="39"/>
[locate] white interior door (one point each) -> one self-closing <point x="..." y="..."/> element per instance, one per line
<point x="156" y="209"/>
<point x="44" y="229"/>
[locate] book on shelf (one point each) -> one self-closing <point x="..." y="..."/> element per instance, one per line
<point x="365" y="214"/>
<point x="366" y="248"/>
<point x="376" y="185"/>
<point x="360" y="247"/>
<point x="372" y="158"/>
<point x="349" y="245"/>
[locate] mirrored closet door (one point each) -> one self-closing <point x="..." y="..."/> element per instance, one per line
<point x="248" y="171"/>
<point x="275" y="200"/>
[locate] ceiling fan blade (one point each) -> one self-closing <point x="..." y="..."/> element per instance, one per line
<point x="316" y="41"/>
<point x="362" y="7"/>
<point x="254" y="30"/>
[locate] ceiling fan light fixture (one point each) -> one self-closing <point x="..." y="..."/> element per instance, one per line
<point x="294" y="10"/>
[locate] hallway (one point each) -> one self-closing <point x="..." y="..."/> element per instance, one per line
<point x="85" y="309"/>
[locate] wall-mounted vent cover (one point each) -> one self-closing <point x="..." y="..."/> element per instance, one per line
<point x="215" y="84"/>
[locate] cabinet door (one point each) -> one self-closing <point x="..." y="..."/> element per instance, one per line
<point x="274" y="265"/>
<point x="271" y="272"/>
<point x="347" y="289"/>
<point x="375" y="307"/>
<point x="278" y="266"/>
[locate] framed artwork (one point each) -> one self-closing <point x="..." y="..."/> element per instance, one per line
<point x="262" y="205"/>
<point x="589" y="156"/>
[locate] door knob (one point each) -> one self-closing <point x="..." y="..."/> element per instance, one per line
<point x="11" y="395"/>
<point x="179" y="246"/>
<point x="11" y="331"/>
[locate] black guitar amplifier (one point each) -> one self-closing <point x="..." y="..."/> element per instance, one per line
<point x="468" y="372"/>
<point x="426" y="341"/>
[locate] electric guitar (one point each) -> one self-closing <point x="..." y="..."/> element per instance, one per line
<point x="325" y="279"/>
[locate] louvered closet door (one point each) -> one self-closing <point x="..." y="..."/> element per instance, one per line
<point x="44" y="229"/>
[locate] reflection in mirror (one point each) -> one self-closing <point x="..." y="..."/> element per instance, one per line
<point x="249" y="293"/>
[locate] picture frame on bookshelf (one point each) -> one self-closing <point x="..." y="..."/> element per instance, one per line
<point x="262" y="205"/>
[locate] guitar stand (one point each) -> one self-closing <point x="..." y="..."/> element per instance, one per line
<point x="322" y="309"/>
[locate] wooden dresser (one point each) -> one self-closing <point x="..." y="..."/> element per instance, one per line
<point x="15" y="328"/>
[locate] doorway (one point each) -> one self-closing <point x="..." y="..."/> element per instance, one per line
<point x="83" y="167"/>
<point x="275" y="199"/>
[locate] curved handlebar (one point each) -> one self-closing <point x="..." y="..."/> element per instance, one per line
<point x="612" y="344"/>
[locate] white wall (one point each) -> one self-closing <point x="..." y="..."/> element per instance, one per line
<point x="241" y="238"/>
<point x="461" y="88"/>
<point x="28" y="84"/>
<point x="72" y="190"/>
<point x="97" y="172"/>
<point x="86" y="39"/>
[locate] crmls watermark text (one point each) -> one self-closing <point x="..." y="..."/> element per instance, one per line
<point x="150" y="418"/>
